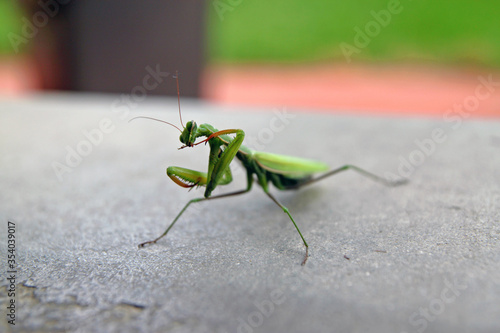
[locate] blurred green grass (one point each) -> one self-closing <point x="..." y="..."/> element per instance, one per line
<point x="10" y="22"/>
<point x="449" y="31"/>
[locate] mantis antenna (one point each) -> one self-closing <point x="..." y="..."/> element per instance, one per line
<point x="178" y="96"/>
<point x="161" y="121"/>
<point x="178" y="103"/>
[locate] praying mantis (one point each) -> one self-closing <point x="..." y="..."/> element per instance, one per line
<point x="284" y="172"/>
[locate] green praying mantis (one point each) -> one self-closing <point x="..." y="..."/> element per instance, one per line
<point x="284" y="172"/>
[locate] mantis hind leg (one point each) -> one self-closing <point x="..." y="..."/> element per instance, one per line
<point x="363" y="172"/>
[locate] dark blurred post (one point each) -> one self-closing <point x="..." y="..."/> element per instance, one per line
<point x="108" y="46"/>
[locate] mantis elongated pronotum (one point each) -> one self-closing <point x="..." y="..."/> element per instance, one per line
<point x="284" y="172"/>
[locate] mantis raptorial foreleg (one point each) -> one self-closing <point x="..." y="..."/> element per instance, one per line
<point x="216" y="171"/>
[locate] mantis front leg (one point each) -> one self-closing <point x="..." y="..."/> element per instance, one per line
<point x="218" y="165"/>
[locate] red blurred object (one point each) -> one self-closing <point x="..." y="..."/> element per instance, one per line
<point x="389" y="89"/>
<point x="18" y="75"/>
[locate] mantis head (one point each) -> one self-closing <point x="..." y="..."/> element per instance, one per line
<point x="189" y="134"/>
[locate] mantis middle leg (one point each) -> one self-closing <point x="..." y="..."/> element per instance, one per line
<point x="249" y="187"/>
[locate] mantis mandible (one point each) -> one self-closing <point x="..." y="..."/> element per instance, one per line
<point x="284" y="172"/>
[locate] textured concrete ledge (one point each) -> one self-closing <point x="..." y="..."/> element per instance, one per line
<point x="417" y="258"/>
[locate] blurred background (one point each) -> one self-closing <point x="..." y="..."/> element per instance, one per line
<point x="377" y="56"/>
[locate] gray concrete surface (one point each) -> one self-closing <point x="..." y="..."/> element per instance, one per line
<point x="418" y="258"/>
